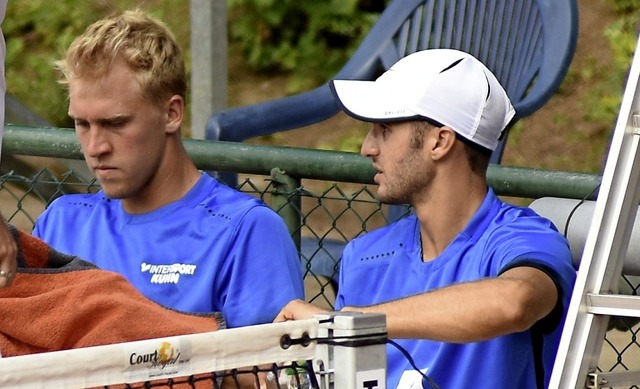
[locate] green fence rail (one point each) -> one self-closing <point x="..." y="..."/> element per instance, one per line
<point x="325" y="197"/>
<point x="304" y="163"/>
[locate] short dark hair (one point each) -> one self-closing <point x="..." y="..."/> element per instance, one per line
<point x="477" y="156"/>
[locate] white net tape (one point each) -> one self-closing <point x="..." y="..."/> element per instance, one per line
<point x="163" y="358"/>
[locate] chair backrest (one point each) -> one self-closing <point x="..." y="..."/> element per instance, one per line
<point x="528" y="44"/>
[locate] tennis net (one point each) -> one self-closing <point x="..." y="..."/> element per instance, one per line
<point x="337" y="350"/>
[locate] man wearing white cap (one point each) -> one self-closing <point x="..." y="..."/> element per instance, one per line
<point x="474" y="289"/>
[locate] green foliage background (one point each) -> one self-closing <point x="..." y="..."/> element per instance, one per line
<point x="273" y="36"/>
<point x="37" y="32"/>
<point x="310" y="39"/>
<point x="307" y="40"/>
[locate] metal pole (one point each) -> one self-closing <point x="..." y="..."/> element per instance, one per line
<point x="208" y="62"/>
<point x="287" y="203"/>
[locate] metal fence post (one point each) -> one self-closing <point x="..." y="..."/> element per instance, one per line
<point x="209" y="68"/>
<point x="286" y="200"/>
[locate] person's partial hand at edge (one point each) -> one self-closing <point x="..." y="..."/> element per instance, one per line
<point x="298" y="310"/>
<point x="8" y="254"/>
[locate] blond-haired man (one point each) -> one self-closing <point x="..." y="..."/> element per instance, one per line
<point x="181" y="237"/>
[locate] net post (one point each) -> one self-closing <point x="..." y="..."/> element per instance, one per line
<point x="351" y="346"/>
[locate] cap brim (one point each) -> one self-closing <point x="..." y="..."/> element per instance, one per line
<point x="369" y="101"/>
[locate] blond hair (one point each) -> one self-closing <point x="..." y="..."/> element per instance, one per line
<point x="145" y="44"/>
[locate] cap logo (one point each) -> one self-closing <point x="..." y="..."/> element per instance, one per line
<point x="396" y="112"/>
<point x="452" y="65"/>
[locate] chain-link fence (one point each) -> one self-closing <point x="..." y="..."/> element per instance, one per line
<point x="325" y="198"/>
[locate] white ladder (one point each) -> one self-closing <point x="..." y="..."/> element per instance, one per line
<point x="594" y="297"/>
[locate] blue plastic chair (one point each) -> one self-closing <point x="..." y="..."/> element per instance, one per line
<point x="528" y="44"/>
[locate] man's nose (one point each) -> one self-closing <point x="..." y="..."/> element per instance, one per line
<point x="369" y="147"/>
<point x="95" y="142"/>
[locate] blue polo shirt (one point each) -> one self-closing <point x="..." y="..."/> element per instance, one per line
<point x="214" y="250"/>
<point x="386" y="264"/>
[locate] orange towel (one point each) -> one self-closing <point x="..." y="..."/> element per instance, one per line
<point x="60" y="302"/>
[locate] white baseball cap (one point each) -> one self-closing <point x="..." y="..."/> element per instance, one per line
<point x="448" y="86"/>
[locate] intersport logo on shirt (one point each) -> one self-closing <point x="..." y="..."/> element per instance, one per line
<point x="167" y="274"/>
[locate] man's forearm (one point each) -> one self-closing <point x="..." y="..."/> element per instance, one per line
<point x="470" y="312"/>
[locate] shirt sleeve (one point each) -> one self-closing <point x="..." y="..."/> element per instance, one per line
<point x="261" y="272"/>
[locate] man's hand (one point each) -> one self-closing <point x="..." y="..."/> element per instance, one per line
<point x="298" y="310"/>
<point x="8" y="253"/>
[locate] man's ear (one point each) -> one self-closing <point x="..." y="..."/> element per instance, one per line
<point x="175" y="113"/>
<point x="445" y="139"/>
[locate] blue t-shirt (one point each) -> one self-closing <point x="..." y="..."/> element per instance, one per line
<point x="386" y="264"/>
<point x="214" y="250"/>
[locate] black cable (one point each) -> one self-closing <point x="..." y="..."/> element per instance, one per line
<point x="368" y="340"/>
<point x="354" y="340"/>
<point x="575" y="208"/>
<point x="413" y="364"/>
